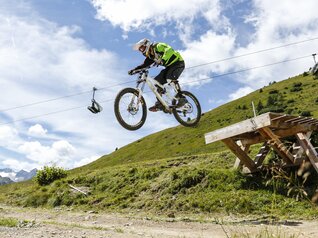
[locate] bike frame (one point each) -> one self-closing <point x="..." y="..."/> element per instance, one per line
<point x="152" y="83"/>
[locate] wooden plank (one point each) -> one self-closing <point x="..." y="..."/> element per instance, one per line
<point x="277" y="145"/>
<point x="280" y="117"/>
<point x="301" y="120"/>
<point x="274" y="115"/>
<point x="309" y="149"/>
<point x="238" y="163"/>
<point x="242" y="155"/>
<point x="283" y="118"/>
<point x="293" y="119"/>
<point x="280" y="133"/>
<point x="77" y="189"/>
<point x="238" y="128"/>
<point x="307" y="121"/>
<point x="260" y="157"/>
<point x="297" y="151"/>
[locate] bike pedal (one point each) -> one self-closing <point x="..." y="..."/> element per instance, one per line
<point x="154" y="109"/>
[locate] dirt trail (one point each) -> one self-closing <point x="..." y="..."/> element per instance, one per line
<point x="60" y="223"/>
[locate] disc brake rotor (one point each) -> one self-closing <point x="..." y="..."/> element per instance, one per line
<point x="132" y="109"/>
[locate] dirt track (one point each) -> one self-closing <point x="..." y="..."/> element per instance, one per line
<point x="58" y="223"/>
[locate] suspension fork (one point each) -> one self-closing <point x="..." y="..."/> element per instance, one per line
<point x="140" y="90"/>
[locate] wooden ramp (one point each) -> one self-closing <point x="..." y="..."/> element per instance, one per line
<point x="269" y="129"/>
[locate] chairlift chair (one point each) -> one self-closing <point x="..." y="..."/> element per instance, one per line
<point x="95" y="107"/>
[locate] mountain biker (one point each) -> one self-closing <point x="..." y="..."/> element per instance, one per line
<point x="160" y="54"/>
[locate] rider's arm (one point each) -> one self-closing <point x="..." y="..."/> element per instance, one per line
<point x="146" y="63"/>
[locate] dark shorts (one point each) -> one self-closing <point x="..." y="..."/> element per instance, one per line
<point x="171" y="72"/>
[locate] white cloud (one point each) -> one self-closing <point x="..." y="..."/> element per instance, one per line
<point x="63" y="148"/>
<point x="41" y="60"/>
<point x="132" y="14"/>
<point x="278" y="23"/>
<point x="209" y="47"/>
<point x="86" y="161"/>
<point x="7" y="134"/>
<point x="37" y="130"/>
<point x="59" y="153"/>
<point x="240" y="93"/>
<point x="275" y="23"/>
<point x="8" y="175"/>
<point x="9" y="137"/>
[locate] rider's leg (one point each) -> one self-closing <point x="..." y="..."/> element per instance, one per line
<point x="173" y="74"/>
<point x="161" y="78"/>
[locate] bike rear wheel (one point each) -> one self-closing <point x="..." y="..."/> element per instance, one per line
<point x="130" y="112"/>
<point x="188" y="114"/>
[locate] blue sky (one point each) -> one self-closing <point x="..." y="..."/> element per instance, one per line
<point x="53" y="49"/>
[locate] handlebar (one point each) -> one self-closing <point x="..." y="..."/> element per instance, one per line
<point x="140" y="70"/>
<point x="136" y="71"/>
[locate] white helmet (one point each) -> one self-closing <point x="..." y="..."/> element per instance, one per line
<point x="142" y="45"/>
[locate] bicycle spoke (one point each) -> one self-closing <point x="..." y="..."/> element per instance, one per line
<point x="129" y="110"/>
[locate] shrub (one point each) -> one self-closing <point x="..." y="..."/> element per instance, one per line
<point x="295" y="89"/>
<point x="275" y="91"/>
<point x="289" y="111"/>
<point x="49" y="174"/>
<point x="295" y="85"/>
<point x="260" y="106"/>
<point x="306" y="114"/>
<point x="9" y="222"/>
<point x="270" y="101"/>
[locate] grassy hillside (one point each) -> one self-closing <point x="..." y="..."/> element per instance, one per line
<point x="179" y="141"/>
<point x="173" y="171"/>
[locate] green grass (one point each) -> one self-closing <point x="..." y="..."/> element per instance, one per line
<point x="175" y="172"/>
<point x="182" y="141"/>
<point x="266" y="233"/>
<point x="9" y="222"/>
<point x="193" y="184"/>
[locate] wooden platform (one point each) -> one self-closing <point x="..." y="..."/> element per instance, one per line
<point x="269" y="129"/>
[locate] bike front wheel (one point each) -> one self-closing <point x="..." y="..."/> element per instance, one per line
<point x="187" y="109"/>
<point x="130" y="110"/>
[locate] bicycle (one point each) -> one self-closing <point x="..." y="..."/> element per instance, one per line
<point x="130" y="105"/>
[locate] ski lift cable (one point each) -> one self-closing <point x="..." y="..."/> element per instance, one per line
<point x="109" y="100"/>
<point x="127" y="82"/>
<point x="255" y="52"/>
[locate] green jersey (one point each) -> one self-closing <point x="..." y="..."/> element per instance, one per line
<point x="165" y="54"/>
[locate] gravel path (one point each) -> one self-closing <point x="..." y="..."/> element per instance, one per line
<point x="61" y="223"/>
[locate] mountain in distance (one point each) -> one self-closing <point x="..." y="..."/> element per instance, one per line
<point x="23" y="175"/>
<point x="5" y="180"/>
<point x="6" y="170"/>
<point x="7" y="175"/>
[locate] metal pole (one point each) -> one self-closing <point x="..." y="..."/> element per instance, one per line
<point x="94" y="89"/>
<point x="253" y="109"/>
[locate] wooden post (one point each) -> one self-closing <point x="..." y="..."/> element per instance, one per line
<point x="269" y="129"/>
<point x="259" y="159"/>
<point x="309" y="149"/>
<point x="238" y="163"/>
<point x="242" y="155"/>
